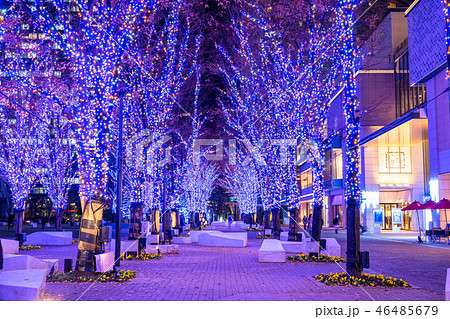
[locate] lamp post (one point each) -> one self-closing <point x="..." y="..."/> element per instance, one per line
<point x="119" y="182"/>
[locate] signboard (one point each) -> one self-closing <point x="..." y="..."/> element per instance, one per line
<point x="397" y="216"/>
<point x="378" y="217"/>
<point x="394" y="159"/>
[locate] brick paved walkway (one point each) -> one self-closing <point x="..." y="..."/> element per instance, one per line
<point x="210" y="273"/>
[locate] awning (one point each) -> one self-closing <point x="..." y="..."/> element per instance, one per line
<point x="337" y="200"/>
<point x="395" y="197"/>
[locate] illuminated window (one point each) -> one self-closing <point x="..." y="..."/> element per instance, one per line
<point x="337" y="164"/>
<point x="394" y="150"/>
<point x="306" y="179"/>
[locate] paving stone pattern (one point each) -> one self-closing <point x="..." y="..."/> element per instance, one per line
<point x="211" y="273"/>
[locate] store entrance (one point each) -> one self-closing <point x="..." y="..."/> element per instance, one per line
<point x="407" y="220"/>
<point x="387" y="208"/>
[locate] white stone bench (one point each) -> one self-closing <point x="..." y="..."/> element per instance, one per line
<point x="22" y="285"/>
<point x="152" y="239"/>
<point x="104" y="262"/>
<point x="126" y="246"/>
<point x="284" y="236"/>
<point x="10" y="246"/>
<point x="271" y="251"/>
<point x="210" y="227"/>
<point x="221" y="224"/>
<point x="25" y="262"/>
<point x="182" y="240"/>
<point x="55" y="238"/>
<point x="237" y="225"/>
<point x="310" y="246"/>
<point x="193" y="234"/>
<point x="220" y="239"/>
<point x="332" y="247"/>
<point x="292" y="247"/>
<point x="447" y="286"/>
<point x="163" y="249"/>
<point x="52" y="263"/>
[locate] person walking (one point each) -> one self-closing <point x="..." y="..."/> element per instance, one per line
<point x="10" y="221"/>
<point x="72" y="221"/>
<point x="336" y="224"/>
<point x="310" y="223"/>
<point x="305" y="222"/>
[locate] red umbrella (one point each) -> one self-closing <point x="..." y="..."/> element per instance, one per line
<point x="415" y="206"/>
<point x="428" y="205"/>
<point x="443" y="204"/>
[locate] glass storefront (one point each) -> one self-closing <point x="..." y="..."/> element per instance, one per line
<point x="407" y="220"/>
<point x="387" y="208"/>
<point x="406" y="216"/>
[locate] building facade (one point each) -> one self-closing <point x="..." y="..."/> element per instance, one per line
<point x="404" y="115"/>
<point x="428" y="67"/>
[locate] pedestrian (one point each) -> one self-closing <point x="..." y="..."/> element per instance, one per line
<point x="305" y="222"/>
<point x="336" y="224"/>
<point x="43" y="222"/>
<point x="72" y="221"/>
<point x="361" y="227"/>
<point x="310" y="223"/>
<point x="1" y="256"/>
<point x="229" y="221"/>
<point x="10" y="221"/>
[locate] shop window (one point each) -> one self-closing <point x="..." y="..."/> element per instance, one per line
<point x="337" y="164"/>
<point x="394" y="151"/>
<point x="306" y="179"/>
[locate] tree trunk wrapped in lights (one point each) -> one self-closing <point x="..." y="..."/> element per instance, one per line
<point x="136" y="214"/>
<point x="276" y="223"/>
<point x="294" y="224"/>
<point x="350" y="105"/>
<point x="88" y="243"/>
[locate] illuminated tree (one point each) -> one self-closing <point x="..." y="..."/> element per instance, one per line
<point x="242" y="182"/>
<point x="350" y="105"/>
<point x="95" y="36"/>
<point x="57" y="157"/>
<point x="19" y="152"/>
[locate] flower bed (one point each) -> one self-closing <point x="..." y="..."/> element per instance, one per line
<point x="110" y="276"/>
<point x="30" y="247"/>
<point x="142" y="256"/>
<point x="342" y="279"/>
<point x="253" y="229"/>
<point x="321" y="259"/>
<point x="199" y="228"/>
<point x="264" y="237"/>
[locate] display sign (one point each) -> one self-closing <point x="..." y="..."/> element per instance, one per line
<point x="378" y="217"/>
<point x="397" y="216"/>
<point x="394" y="159"/>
